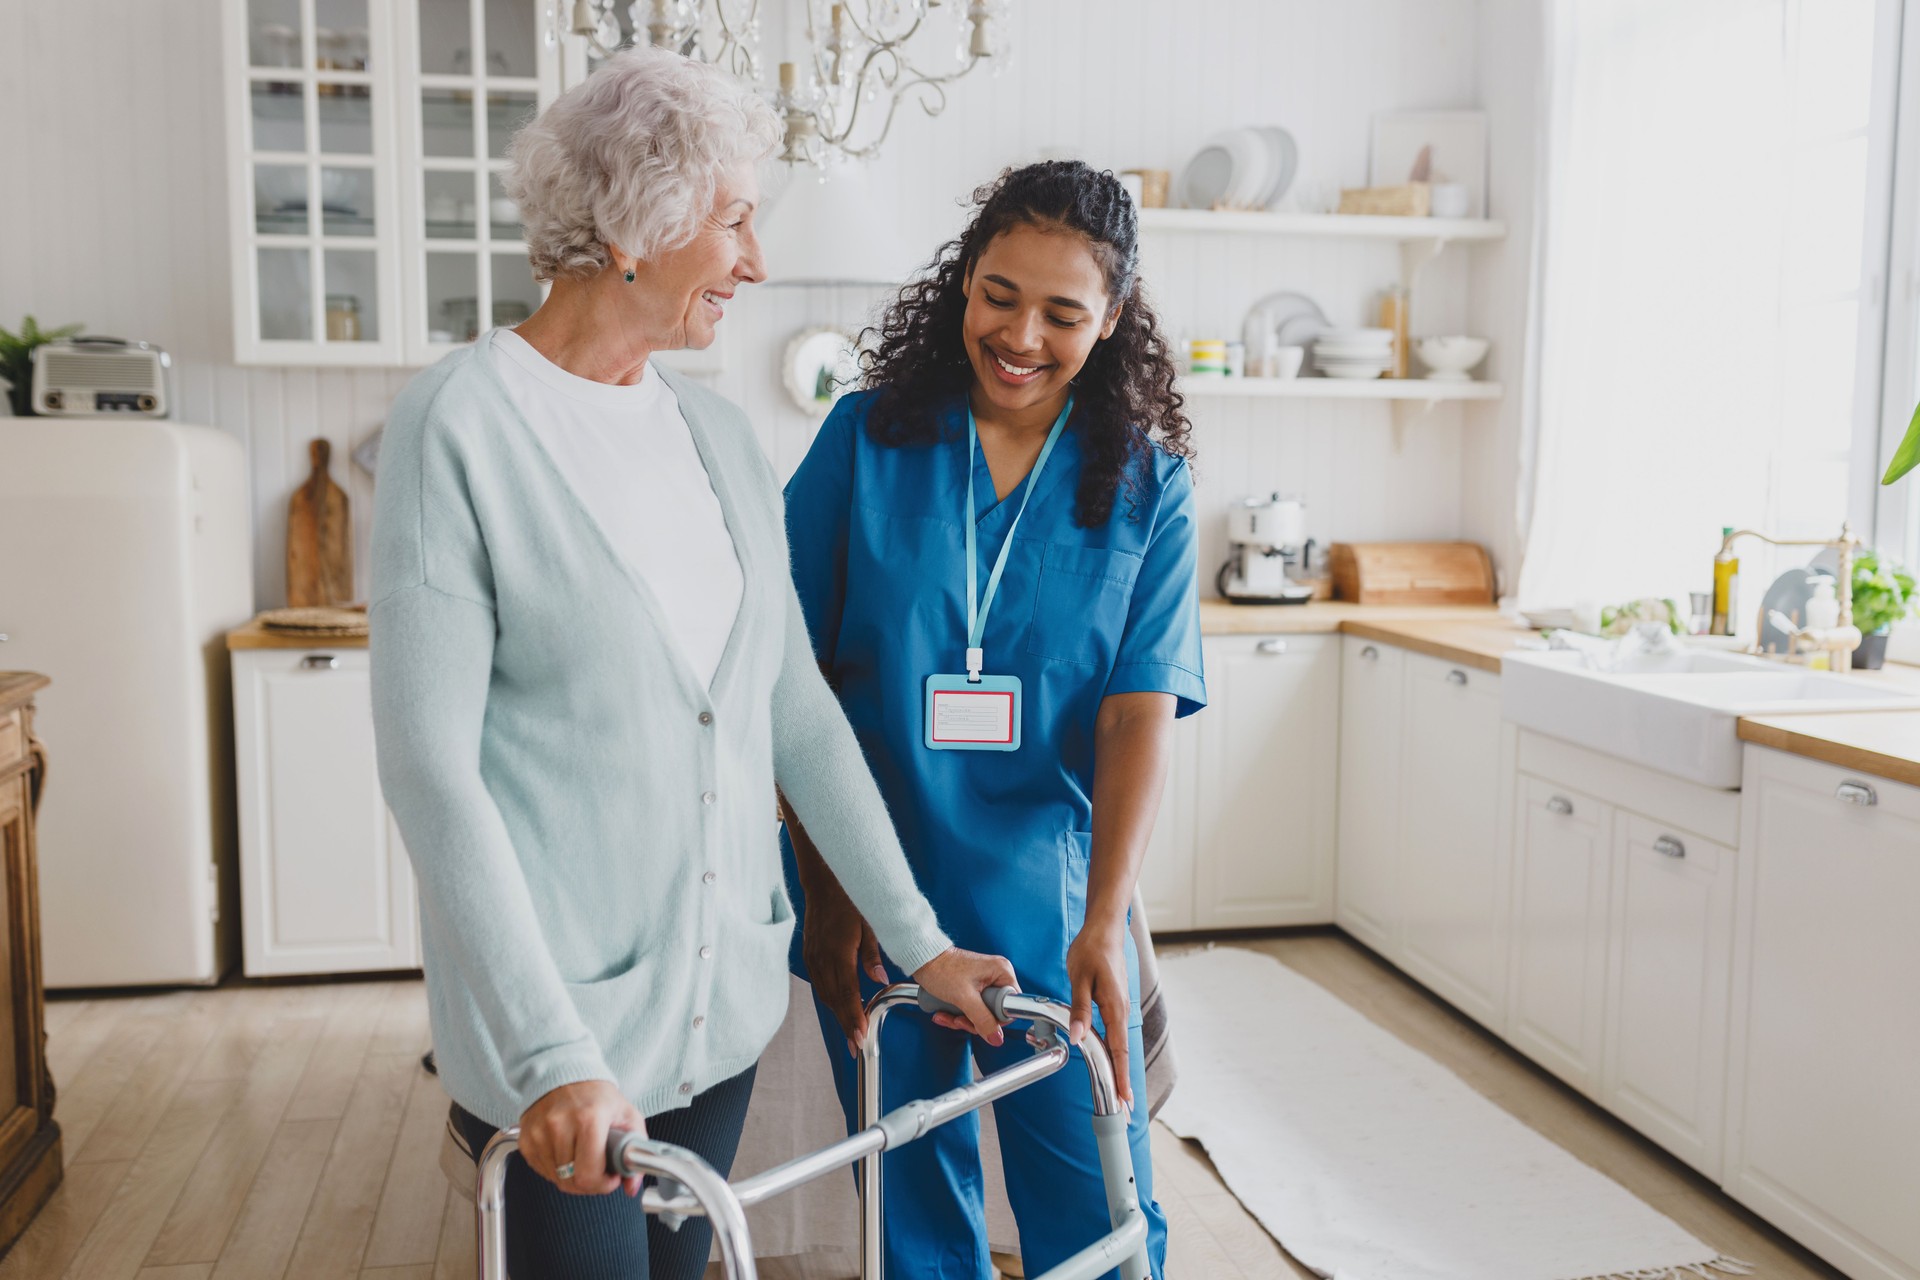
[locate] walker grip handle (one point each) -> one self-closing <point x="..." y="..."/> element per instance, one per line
<point x="995" y="999"/>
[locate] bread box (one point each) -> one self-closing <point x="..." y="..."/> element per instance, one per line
<point x="1411" y="572"/>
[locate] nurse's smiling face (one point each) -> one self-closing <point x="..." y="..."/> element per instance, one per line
<point x="1037" y="302"/>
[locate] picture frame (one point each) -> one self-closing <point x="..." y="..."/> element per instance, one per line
<point x="1459" y="155"/>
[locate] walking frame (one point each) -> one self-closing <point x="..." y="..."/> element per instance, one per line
<point x="684" y="1185"/>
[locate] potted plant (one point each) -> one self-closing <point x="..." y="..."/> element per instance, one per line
<point x="16" y="359"/>
<point x="1882" y="596"/>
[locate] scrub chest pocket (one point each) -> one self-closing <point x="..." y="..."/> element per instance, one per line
<point x="1080" y="603"/>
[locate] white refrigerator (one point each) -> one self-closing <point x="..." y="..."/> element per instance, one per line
<point x="124" y="560"/>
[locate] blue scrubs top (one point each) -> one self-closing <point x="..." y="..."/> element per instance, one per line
<point x="999" y="841"/>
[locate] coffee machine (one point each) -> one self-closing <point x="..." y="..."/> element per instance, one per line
<point x="1268" y="535"/>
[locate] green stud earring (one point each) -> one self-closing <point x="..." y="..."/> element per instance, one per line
<point x="629" y="277"/>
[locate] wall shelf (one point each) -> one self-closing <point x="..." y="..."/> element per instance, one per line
<point x="1345" y="226"/>
<point x="1339" y="388"/>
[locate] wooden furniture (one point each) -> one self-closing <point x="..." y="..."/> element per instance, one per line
<point x="1412" y="572"/>
<point x="29" y="1138"/>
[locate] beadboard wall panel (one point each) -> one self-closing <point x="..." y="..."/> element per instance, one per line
<point x="115" y="215"/>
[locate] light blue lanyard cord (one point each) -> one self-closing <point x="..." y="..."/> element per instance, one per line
<point x="977" y="607"/>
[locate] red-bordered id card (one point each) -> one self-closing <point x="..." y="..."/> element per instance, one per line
<point x="973" y="715"/>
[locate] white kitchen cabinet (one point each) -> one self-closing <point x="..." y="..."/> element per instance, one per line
<point x="325" y="886"/>
<point x="1371" y="704"/>
<point x="1265" y="791"/>
<point x="1166" y="876"/>
<point x="1454" y="879"/>
<point x="1670" y="948"/>
<point x="1562" y="855"/>
<point x="366" y="144"/>
<point x="1823" y="1107"/>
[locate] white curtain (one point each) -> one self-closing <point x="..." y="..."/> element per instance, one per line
<point x="1692" y="238"/>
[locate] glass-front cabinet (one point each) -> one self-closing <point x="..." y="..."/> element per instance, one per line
<point x="367" y="143"/>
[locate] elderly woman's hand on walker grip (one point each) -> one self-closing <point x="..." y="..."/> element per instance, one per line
<point x="958" y="977"/>
<point x="563" y="1136"/>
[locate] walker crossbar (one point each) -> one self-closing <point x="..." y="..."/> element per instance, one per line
<point x="687" y="1186"/>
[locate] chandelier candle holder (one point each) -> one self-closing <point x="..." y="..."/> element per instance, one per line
<point x="857" y="56"/>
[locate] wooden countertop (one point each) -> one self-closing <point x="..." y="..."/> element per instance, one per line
<point x="255" y="636"/>
<point x="1883" y="743"/>
<point x="18" y="686"/>
<point x="1470" y="635"/>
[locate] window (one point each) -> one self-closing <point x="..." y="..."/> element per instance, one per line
<point x="1714" y="320"/>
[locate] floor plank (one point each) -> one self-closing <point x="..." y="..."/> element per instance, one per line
<point x="204" y="1215"/>
<point x="458" y="1258"/>
<point x="129" y="1121"/>
<point x="406" y="1229"/>
<point x="269" y="1223"/>
<point x="333" y="1238"/>
<point x="117" y="1246"/>
<point x="186" y="1271"/>
<point x="329" y="1078"/>
<point x="57" y="1232"/>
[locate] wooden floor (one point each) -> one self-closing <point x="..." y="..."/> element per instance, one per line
<point x="259" y="1132"/>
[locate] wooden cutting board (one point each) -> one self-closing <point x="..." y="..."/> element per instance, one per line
<point x="1411" y="572"/>
<point x="319" y="538"/>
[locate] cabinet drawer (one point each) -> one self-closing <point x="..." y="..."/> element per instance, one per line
<point x="13" y="739"/>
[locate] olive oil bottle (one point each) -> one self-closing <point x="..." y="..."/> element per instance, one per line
<point x="1726" y="588"/>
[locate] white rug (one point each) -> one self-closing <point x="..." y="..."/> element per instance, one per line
<point x="1367" y="1160"/>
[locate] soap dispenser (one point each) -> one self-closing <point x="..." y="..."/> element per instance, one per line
<point x="1823" y="607"/>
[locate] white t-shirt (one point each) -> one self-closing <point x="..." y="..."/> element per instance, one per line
<point x="629" y="455"/>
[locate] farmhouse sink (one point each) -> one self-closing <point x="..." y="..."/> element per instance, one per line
<point x="1675" y="712"/>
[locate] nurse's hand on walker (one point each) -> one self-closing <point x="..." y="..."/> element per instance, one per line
<point x="1097" y="972"/>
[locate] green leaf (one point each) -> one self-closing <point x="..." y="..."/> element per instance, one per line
<point x="1907" y="456"/>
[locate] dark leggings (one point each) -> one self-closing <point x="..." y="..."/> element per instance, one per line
<point x="552" y="1235"/>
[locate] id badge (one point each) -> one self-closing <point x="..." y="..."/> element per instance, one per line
<point x="973" y="715"/>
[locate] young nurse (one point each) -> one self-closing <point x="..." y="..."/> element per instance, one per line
<point x="993" y="543"/>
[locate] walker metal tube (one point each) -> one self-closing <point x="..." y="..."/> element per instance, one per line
<point x="628" y="1154"/>
<point x="1050" y="1019"/>
<point x="1118" y="1248"/>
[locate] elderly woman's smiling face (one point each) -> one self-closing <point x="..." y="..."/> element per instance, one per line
<point x="680" y="295"/>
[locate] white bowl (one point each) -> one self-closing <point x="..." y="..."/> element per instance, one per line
<point x="1373" y="337"/>
<point x="1448" y="358"/>
<point x="1353" y="372"/>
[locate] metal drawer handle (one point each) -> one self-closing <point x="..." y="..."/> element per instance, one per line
<point x="1857" y="793"/>
<point x="1667" y="846"/>
<point x="1271" y="646"/>
<point x="1457" y="676"/>
<point x="1369" y="653"/>
<point x="320" y="662"/>
<point x="1560" y="805"/>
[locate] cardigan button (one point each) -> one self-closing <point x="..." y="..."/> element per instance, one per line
<point x="686" y="1086"/>
<point x="708" y="797"/>
<point x="706" y="953"/>
<point x="708" y="878"/>
<point x="699" y="1021"/>
<point x="706" y="717"/>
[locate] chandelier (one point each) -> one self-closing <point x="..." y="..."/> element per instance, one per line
<point x="841" y="102"/>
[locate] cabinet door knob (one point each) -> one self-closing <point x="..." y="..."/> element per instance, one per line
<point x="1369" y="653"/>
<point x="320" y="662"/>
<point x="1668" y="847"/>
<point x="1271" y="646"/>
<point x="1457" y="676"/>
<point x="1560" y="805"/>
<point x="1857" y="793"/>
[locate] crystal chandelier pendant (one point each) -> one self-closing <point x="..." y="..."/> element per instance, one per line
<point x="860" y="67"/>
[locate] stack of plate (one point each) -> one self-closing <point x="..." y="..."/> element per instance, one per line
<point x="1240" y="169"/>
<point x="1354" y="353"/>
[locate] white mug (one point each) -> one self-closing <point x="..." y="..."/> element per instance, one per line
<point x="1450" y="200"/>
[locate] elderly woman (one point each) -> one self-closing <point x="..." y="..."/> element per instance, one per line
<point x="589" y="673"/>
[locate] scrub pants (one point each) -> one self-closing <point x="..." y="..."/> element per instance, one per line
<point x="933" y="1195"/>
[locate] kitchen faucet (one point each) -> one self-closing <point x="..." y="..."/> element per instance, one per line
<point x="1839" y="641"/>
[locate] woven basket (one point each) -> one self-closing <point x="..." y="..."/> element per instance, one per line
<point x="324" y="620"/>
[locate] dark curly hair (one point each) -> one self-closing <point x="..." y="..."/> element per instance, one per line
<point x="915" y="357"/>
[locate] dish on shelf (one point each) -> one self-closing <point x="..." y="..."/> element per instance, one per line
<point x="1354" y="353"/>
<point x="1449" y="358"/>
<point x="1244" y="168"/>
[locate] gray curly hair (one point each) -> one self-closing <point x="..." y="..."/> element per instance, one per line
<point x="631" y="157"/>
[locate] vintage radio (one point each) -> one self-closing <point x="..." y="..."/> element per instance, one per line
<point x="91" y="377"/>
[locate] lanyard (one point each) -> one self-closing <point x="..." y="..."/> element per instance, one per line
<point x="976" y="606"/>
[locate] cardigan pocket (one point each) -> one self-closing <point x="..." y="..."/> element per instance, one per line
<point x="618" y="1010"/>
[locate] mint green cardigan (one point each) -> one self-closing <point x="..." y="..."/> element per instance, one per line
<point x="593" y="832"/>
